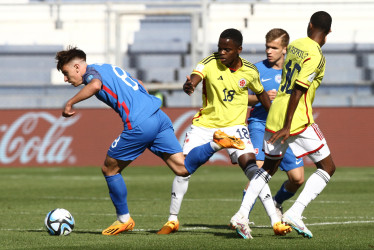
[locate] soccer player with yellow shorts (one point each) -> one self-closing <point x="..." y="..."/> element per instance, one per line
<point x="290" y="123"/>
<point x="226" y="79"/>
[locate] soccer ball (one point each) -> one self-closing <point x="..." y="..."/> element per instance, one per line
<point x="59" y="222"/>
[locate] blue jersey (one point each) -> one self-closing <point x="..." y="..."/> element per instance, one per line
<point x="270" y="79"/>
<point x="122" y="93"/>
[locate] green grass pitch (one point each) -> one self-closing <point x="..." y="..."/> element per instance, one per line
<point x="342" y="217"/>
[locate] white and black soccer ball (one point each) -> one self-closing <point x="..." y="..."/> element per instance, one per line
<point x="59" y="222"/>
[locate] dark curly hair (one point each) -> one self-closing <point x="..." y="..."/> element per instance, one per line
<point x="65" y="56"/>
<point x="321" y="20"/>
<point x="234" y="35"/>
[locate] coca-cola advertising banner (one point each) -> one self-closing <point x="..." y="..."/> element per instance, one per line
<point x="45" y="138"/>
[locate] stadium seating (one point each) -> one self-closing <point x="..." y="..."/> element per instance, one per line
<point x="157" y="48"/>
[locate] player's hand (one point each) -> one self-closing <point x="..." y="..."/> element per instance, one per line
<point x="272" y="94"/>
<point x="68" y="111"/>
<point x="283" y="133"/>
<point x="188" y="88"/>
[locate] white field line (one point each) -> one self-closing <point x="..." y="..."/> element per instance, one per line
<point x="187" y="199"/>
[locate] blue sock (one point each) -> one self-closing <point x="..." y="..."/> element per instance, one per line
<point x="283" y="194"/>
<point x="118" y="193"/>
<point x="198" y="156"/>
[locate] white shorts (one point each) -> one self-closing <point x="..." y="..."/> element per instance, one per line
<point x="310" y="142"/>
<point x="197" y="136"/>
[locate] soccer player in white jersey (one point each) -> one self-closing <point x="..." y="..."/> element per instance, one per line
<point x="226" y="79"/>
<point x="290" y="124"/>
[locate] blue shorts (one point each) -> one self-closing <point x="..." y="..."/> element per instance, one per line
<point x="256" y="132"/>
<point x="156" y="133"/>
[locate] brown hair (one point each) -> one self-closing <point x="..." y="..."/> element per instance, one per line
<point x="276" y="33"/>
<point x="65" y="56"/>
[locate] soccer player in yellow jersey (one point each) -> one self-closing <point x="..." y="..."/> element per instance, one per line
<point x="290" y="123"/>
<point x="226" y="79"/>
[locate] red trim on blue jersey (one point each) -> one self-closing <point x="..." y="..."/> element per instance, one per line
<point x="311" y="152"/>
<point x="106" y="89"/>
<point x="127" y="115"/>
<point x="123" y="104"/>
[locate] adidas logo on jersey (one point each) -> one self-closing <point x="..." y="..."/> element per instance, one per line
<point x="220" y="78"/>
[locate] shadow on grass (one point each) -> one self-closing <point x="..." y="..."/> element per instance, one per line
<point x="259" y="231"/>
<point x="228" y="234"/>
<point x="46" y="232"/>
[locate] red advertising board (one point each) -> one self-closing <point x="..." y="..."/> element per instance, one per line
<point x="45" y="138"/>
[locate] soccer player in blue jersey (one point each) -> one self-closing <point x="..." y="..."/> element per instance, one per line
<point x="145" y="126"/>
<point x="270" y="71"/>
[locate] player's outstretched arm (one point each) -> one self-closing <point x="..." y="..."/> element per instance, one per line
<point x="86" y="92"/>
<point x="191" y="83"/>
<point x="284" y="133"/>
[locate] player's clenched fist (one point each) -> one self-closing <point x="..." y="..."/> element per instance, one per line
<point x="188" y="88"/>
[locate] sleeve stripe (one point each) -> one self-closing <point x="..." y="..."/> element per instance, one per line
<point x="206" y="60"/>
<point x="249" y="65"/>
<point x="323" y="60"/>
<point x="321" y="63"/>
<point x="209" y="58"/>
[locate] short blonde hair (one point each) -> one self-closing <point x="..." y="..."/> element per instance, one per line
<point x="275" y="34"/>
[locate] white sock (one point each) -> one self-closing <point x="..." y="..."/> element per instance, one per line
<point x="257" y="183"/>
<point x="313" y="187"/>
<point x="215" y="146"/>
<point x="178" y="190"/>
<point x="123" y="217"/>
<point x="268" y="203"/>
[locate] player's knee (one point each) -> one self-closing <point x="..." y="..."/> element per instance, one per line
<point x="110" y="167"/>
<point x="298" y="181"/>
<point x="181" y="171"/>
<point x="327" y="165"/>
<point x="107" y="171"/>
<point x="331" y="169"/>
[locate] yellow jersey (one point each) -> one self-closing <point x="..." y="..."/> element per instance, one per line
<point x="304" y="65"/>
<point x="225" y="92"/>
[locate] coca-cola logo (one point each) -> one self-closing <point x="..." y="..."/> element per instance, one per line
<point x="23" y="141"/>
